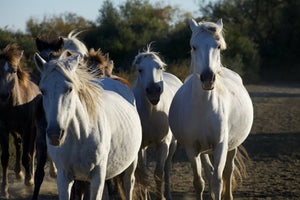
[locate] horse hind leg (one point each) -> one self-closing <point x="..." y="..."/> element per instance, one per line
<point x="4" y="161"/>
<point x="129" y="180"/>
<point x="18" y="146"/>
<point x="198" y="182"/>
<point x="28" y="156"/>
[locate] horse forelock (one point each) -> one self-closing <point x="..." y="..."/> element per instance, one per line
<point x="213" y="30"/>
<point x="149" y="54"/>
<point x="84" y="82"/>
<point x="12" y="55"/>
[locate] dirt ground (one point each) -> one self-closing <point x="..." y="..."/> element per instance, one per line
<point x="273" y="147"/>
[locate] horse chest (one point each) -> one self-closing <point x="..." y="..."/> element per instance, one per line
<point x="155" y="127"/>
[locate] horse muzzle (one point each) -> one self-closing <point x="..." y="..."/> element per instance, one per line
<point x="55" y="137"/>
<point x="153" y="92"/>
<point x="208" y="80"/>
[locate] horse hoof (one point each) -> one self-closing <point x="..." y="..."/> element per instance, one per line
<point x="19" y="175"/>
<point x="4" y="195"/>
<point x="29" y="182"/>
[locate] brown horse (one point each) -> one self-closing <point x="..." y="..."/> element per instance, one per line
<point x="20" y="101"/>
<point x="95" y="59"/>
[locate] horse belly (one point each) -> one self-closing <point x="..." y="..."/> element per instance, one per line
<point x="126" y="136"/>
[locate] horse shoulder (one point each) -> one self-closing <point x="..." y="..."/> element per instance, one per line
<point x="174" y="82"/>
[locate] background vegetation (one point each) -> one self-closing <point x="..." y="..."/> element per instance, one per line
<point x="262" y="36"/>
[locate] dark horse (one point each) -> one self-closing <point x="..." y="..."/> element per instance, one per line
<point x="20" y="104"/>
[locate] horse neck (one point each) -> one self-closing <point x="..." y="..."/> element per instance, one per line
<point x="207" y="98"/>
<point x="80" y="123"/>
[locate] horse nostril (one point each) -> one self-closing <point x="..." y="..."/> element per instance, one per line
<point x="147" y="90"/>
<point x="202" y="78"/>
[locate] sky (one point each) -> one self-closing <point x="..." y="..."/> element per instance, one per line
<point x="15" y="13"/>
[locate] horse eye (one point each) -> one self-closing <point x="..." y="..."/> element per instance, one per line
<point x="69" y="90"/>
<point x="219" y="46"/>
<point x="140" y="70"/>
<point x="194" y="48"/>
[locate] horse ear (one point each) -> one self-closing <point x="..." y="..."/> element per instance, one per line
<point x="61" y="43"/>
<point x="220" y="23"/>
<point x="39" y="44"/>
<point x="39" y="62"/>
<point x="193" y="25"/>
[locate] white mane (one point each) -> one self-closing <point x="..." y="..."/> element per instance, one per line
<point x="148" y="53"/>
<point x="72" y="43"/>
<point x="213" y="29"/>
<point x="84" y="82"/>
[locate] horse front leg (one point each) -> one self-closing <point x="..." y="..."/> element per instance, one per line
<point x="161" y="155"/>
<point x="28" y="136"/>
<point x="220" y="154"/>
<point x="18" y="146"/>
<point x="4" y="161"/>
<point x="168" y="167"/>
<point x="198" y="182"/>
<point x="64" y="185"/>
<point x="228" y="174"/>
<point x="98" y="181"/>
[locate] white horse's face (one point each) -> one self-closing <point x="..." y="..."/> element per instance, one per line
<point x="59" y="102"/>
<point x="206" y="53"/>
<point x="150" y="76"/>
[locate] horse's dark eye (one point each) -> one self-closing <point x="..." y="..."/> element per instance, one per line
<point x="194" y="48"/>
<point x="69" y="90"/>
<point x="140" y="70"/>
<point x="219" y="46"/>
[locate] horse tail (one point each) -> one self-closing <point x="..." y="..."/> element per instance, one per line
<point x="239" y="167"/>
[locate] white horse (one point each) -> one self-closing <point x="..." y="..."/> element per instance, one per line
<point x="212" y="112"/>
<point x="92" y="134"/>
<point x="154" y="90"/>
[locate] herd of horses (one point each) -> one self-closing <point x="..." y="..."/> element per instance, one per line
<point x="93" y="126"/>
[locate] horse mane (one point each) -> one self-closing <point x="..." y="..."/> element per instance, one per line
<point x="13" y="56"/>
<point x="213" y="30"/>
<point x="73" y="41"/>
<point x="149" y="53"/>
<point x="83" y="80"/>
<point x="101" y="61"/>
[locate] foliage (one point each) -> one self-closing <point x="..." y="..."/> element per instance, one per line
<point x="60" y="25"/>
<point x="262" y="36"/>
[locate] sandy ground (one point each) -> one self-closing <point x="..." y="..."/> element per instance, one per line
<point x="273" y="147"/>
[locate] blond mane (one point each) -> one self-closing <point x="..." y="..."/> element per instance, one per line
<point x="84" y="82"/>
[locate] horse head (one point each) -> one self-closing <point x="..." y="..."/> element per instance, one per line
<point x="49" y="47"/>
<point x="206" y="42"/>
<point x="150" y="75"/>
<point x="58" y="95"/>
<point x="11" y="72"/>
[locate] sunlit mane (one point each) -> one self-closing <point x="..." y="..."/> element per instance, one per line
<point x="148" y="53"/>
<point x="101" y="61"/>
<point x="12" y="55"/>
<point x="84" y="82"/>
<point x="75" y="45"/>
<point x="212" y="29"/>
